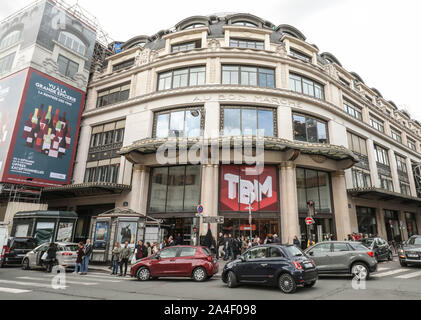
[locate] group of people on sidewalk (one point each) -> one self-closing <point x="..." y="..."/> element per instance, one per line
<point x="83" y="254"/>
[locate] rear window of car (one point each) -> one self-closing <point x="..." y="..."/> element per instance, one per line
<point x="367" y="242"/>
<point x="358" y="246"/>
<point x="187" y="252"/>
<point x="207" y="251"/>
<point x="415" y="241"/>
<point x="69" y="248"/>
<point x="24" y="245"/>
<point x="294" y="251"/>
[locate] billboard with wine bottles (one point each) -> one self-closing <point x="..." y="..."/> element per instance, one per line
<point x="45" y="134"/>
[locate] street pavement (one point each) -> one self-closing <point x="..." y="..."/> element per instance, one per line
<point x="391" y="282"/>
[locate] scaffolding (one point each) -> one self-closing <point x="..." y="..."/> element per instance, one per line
<point x="20" y="193"/>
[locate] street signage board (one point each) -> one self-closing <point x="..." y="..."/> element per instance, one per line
<point x="309" y="221"/>
<point x="218" y="220"/>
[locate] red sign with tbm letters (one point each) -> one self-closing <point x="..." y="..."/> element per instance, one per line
<point x="242" y="184"/>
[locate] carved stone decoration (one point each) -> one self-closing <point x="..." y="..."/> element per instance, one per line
<point x="21" y="62"/>
<point x="214" y="45"/>
<point x="50" y="66"/>
<point x="81" y="80"/>
<point x="153" y="55"/>
<point x="331" y="71"/>
<point x="281" y="50"/>
<point x="318" y="159"/>
<point x="142" y="56"/>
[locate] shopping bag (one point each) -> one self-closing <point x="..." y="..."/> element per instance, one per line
<point x="44" y="256"/>
<point x="133" y="261"/>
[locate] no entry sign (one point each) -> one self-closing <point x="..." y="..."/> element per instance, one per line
<point x="309" y="221"/>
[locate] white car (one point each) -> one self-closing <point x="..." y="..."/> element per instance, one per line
<point x="66" y="256"/>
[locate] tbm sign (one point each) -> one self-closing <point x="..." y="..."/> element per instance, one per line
<point x="241" y="185"/>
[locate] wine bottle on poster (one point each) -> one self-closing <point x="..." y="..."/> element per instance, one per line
<point x="56" y="118"/>
<point x="47" y="142"/>
<point x="35" y="116"/>
<point x="30" y="139"/>
<point x="68" y="138"/>
<point x="41" y="112"/>
<point x="48" y="116"/>
<point x="28" y="127"/>
<point x="39" y="140"/>
<point x="64" y="121"/>
<point x="62" y="147"/>
<point x="54" y="148"/>
<point x="58" y="127"/>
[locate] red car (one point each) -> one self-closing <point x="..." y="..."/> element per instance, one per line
<point x="178" y="261"/>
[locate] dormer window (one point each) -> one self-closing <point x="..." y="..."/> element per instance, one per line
<point x="194" y="25"/>
<point x="344" y="82"/>
<point x="244" y="43"/>
<point x="299" y="55"/>
<point x="244" y="24"/>
<point x="186" y="46"/>
<point x="10" y="39"/>
<point x="72" y="42"/>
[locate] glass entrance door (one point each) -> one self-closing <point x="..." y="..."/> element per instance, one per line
<point x="393" y="231"/>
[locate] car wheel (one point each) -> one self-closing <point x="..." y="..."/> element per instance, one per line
<point x="360" y="271"/>
<point x="25" y="264"/>
<point x="310" y="285"/>
<point x="143" y="274"/>
<point x="199" y="274"/>
<point x="287" y="283"/>
<point x="403" y="264"/>
<point x="232" y="280"/>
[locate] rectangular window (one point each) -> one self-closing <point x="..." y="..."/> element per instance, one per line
<point x="6" y="63"/>
<point x="179" y="123"/>
<point x="250" y="44"/>
<point x="396" y="135"/>
<point x="306" y="86"/>
<point x="103" y="174"/>
<point x="309" y="129"/>
<point x="299" y="55"/>
<point x="405" y="188"/>
<point x="361" y="178"/>
<point x="247" y="120"/>
<point x="113" y="95"/>
<point x="357" y="144"/>
<point x="353" y="111"/>
<point x="314" y="186"/>
<point x="106" y="135"/>
<point x="67" y="67"/>
<point x="386" y="182"/>
<point x="123" y="65"/>
<point x="412" y="145"/>
<point x="186" y="46"/>
<point x="367" y="220"/>
<point x="194" y="76"/>
<point x="381" y="155"/>
<point x="174" y="189"/>
<point x="377" y="124"/>
<point x="344" y="82"/>
<point x="248" y="76"/>
<point x="401" y="164"/>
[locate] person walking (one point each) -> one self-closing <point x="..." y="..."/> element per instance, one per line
<point x="140" y="250"/>
<point x="125" y="254"/>
<point x="178" y="240"/>
<point x="243" y="244"/>
<point x="79" y="257"/>
<point x="51" y="257"/>
<point x="296" y="242"/>
<point x="87" y="255"/>
<point x="220" y="245"/>
<point x="116" y="257"/>
<point x="171" y="241"/>
<point x="148" y="249"/>
<point x="276" y="238"/>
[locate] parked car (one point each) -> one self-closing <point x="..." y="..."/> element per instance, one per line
<point x="382" y="250"/>
<point x="65" y="256"/>
<point x="4" y="234"/>
<point x="343" y="257"/>
<point x="410" y="253"/>
<point x="285" y="266"/>
<point x="177" y="261"/>
<point x="15" y="250"/>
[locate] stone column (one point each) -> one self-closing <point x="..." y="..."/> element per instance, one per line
<point x="402" y="225"/>
<point x="340" y="202"/>
<point x="381" y="227"/>
<point x="375" y="181"/>
<point x="290" y="226"/>
<point x="394" y="170"/>
<point x="411" y="177"/>
<point x="207" y="195"/>
<point x="140" y="185"/>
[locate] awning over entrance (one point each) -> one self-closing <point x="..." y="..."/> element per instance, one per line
<point x="84" y="189"/>
<point x="383" y="195"/>
<point x="151" y="145"/>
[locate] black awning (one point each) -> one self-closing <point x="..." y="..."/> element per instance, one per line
<point x="84" y="189"/>
<point x="383" y="195"/>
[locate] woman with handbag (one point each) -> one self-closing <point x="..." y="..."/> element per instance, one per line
<point x="51" y="257"/>
<point x="116" y="257"/>
<point x="79" y="257"/>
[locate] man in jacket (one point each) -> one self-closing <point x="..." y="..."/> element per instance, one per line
<point x="179" y="240"/>
<point x="86" y="257"/>
<point x="125" y="254"/>
<point x="141" y="251"/>
<point x="221" y="242"/>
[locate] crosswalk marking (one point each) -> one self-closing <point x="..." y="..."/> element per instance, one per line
<point x="389" y="273"/>
<point x="67" y="281"/>
<point x="30" y="284"/>
<point x="13" y="290"/>
<point x="410" y="275"/>
<point x="91" y="278"/>
<point x="382" y="269"/>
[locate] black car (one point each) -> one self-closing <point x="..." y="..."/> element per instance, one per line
<point x="410" y="253"/>
<point x="15" y="250"/>
<point x="380" y="247"/>
<point x="285" y="266"/>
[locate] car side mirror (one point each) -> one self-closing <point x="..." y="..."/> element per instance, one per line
<point x="242" y="258"/>
<point x="311" y="253"/>
<point x="157" y="257"/>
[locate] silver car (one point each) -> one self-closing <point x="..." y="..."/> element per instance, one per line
<point x="343" y="257"/>
<point x="66" y="256"/>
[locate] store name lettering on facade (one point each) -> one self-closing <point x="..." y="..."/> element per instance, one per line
<point x="255" y="190"/>
<point x="255" y="98"/>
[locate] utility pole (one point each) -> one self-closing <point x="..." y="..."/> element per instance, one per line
<point x="250" y="217"/>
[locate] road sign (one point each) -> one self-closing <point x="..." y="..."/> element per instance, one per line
<point x="309" y="221"/>
<point x="199" y="209"/>
<point x="218" y="220"/>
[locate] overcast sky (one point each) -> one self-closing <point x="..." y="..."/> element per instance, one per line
<point x="378" y="39"/>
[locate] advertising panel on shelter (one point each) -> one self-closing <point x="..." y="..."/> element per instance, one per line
<point x="45" y="134"/>
<point x="242" y="185"/>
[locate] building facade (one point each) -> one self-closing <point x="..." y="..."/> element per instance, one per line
<point x="215" y="87"/>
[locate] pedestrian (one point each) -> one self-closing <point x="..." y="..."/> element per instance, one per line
<point x="231" y="244"/>
<point x="296" y="242"/>
<point x="276" y="239"/>
<point x="148" y="249"/>
<point x="125" y="254"/>
<point x="86" y="256"/>
<point x="79" y="257"/>
<point x="243" y="244"/>
<point x="178" y="240"/>
<point x="139" y="250"/>
<point x="171" y="241"/>
<point x="116" y="257"/>
<point x="220" y="244"/>
<point x="163" y="244"/>
<point x="51" y="257"/>
<point x="194" y="237"/>
<point x="155" y="248"/>
<point x="213" y="247"/>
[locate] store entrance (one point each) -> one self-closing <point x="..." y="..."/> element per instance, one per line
<point x="322" y="230"/>
<point x="391" y="219"/>
<point x="241" y="227"/>
<point x="178" y="226"/>
<point x="85" y="214"/>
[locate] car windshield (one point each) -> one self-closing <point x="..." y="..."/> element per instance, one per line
<point x="24" y="245"/>
<point x="294" y="251"/>
<point x="367" y="242"/>
<point x="358" y="246"/>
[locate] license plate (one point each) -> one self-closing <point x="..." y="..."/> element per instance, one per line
<point x="308" y="265"/>
<point x="412" y="256"/>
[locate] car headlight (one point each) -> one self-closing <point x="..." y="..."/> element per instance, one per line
<point x="401" y="251"/>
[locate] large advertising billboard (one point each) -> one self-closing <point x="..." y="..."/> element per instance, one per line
<point x="11" y="89"/>
<point x="45" y="134"/>
<point x="244" y="185"/>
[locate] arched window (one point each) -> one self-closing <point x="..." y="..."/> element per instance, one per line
<point x="244" y="23"/>
<point x="10" y="39"/>
<point x="194" y="25"/>
<point x="72" y="42"/>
